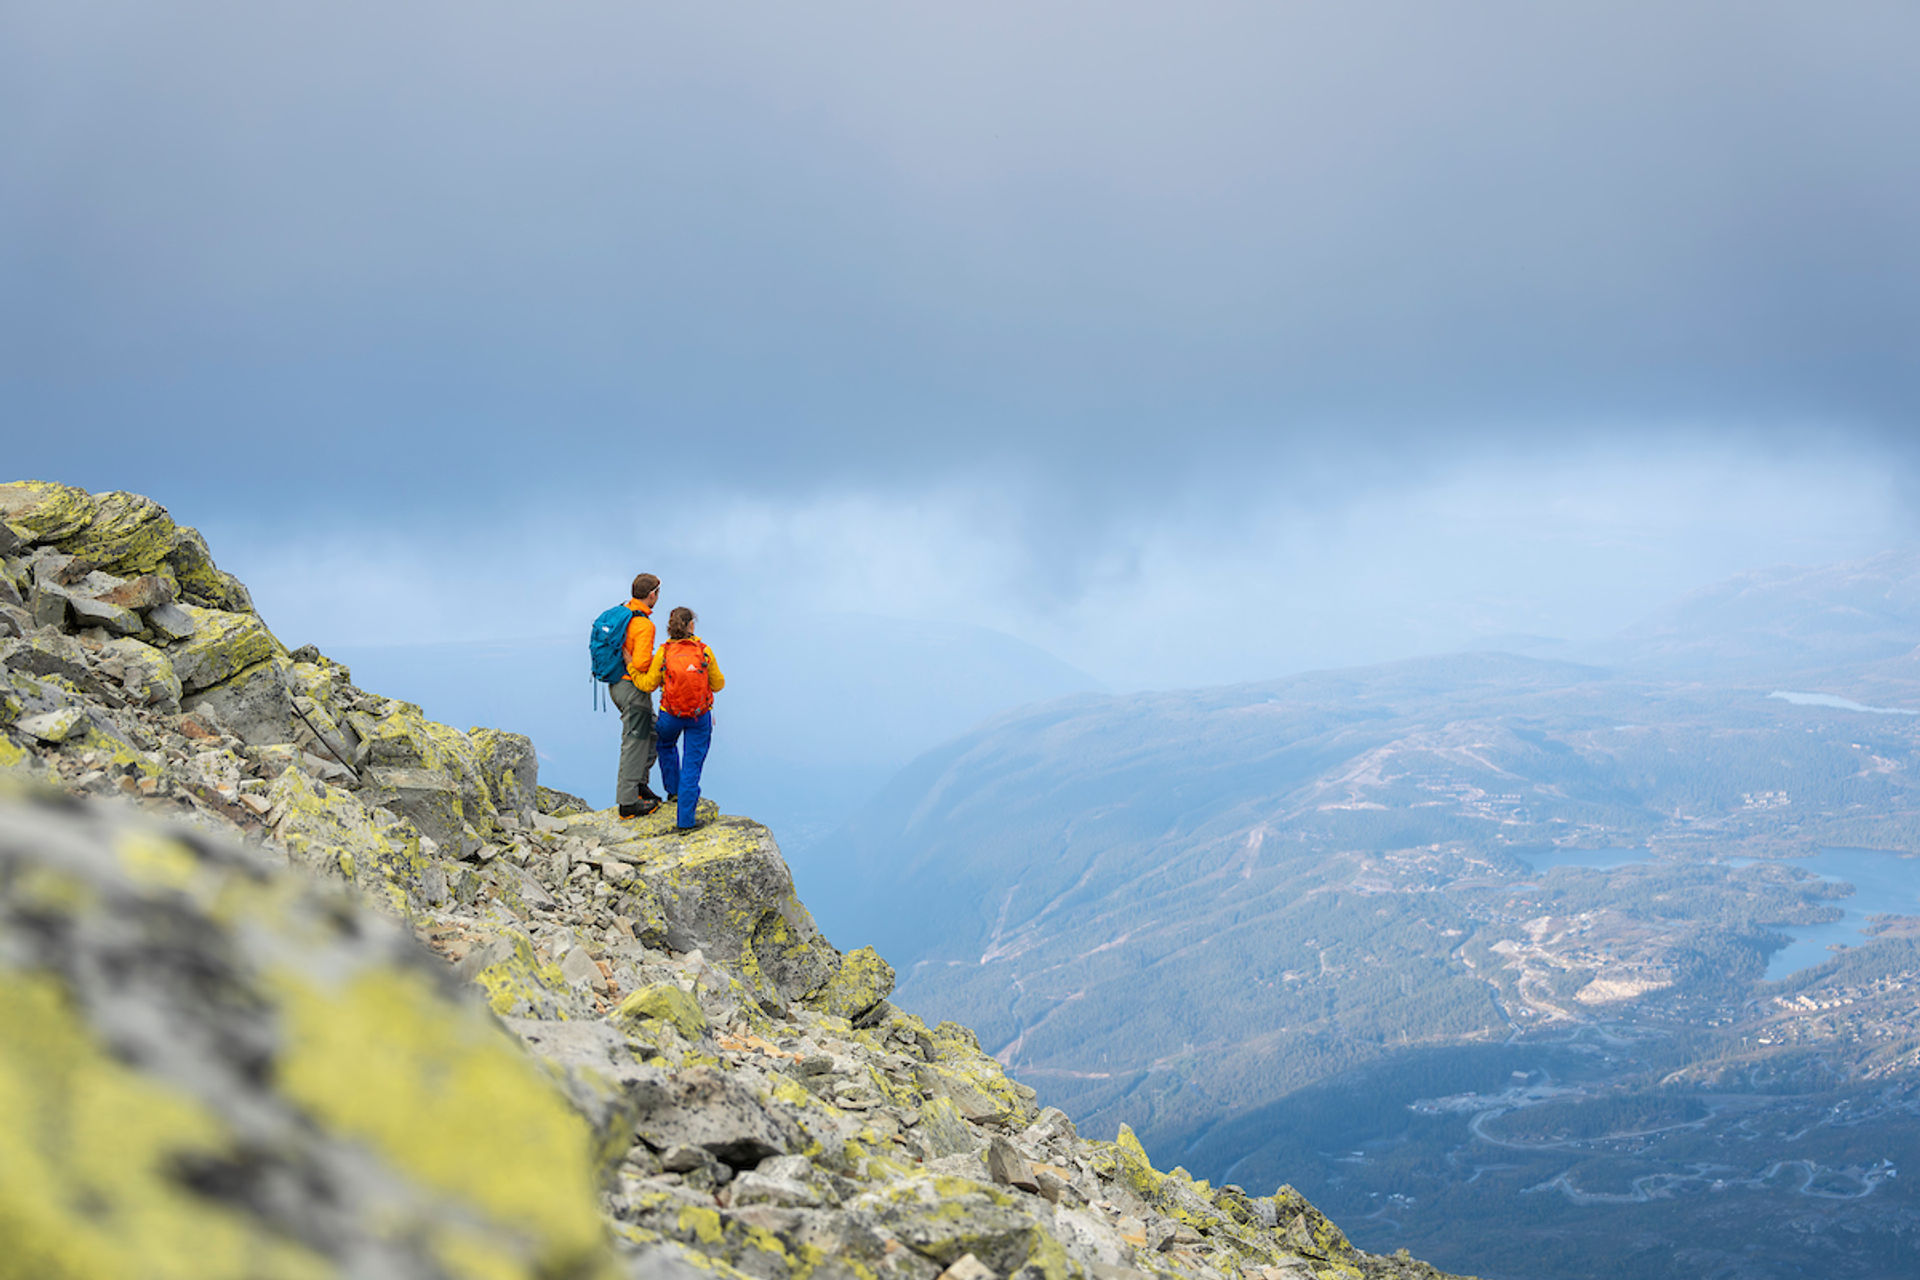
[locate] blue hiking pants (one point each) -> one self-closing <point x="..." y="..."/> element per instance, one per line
<point x="682" y="777"/>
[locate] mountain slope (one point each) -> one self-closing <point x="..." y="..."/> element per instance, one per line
<point x="1188" y="911"/>
<point x="224" y="1058"/>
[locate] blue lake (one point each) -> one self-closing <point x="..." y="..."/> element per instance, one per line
<point x="1883" y="884"/>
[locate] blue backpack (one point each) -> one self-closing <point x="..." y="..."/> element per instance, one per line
<point x="606" y="644"/>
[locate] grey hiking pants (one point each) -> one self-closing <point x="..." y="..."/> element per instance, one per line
<point x="636" y="740"/>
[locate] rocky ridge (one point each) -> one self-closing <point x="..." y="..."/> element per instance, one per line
<point x="217" y="1065"/>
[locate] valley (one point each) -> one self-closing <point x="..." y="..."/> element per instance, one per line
<point x="1468" y="947"/>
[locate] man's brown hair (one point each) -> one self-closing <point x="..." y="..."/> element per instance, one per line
<point x="645" y="585"/>
<point x="680" y="623"/>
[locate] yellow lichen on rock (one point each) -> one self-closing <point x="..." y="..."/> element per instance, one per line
<point x="129" y="535"/>
<point x="446" y="1099"/>
<point x="222" y="645"/>
<point x="518" y="985"/>
<point x="862" y="981"/>
<point x="664" y="1002"/>
<point x="327" y="829"/>
<point x="45" y="511"/>
<point x="88" y="1147"/>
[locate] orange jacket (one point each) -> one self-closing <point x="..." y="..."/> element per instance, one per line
<point x="639" y="648"/>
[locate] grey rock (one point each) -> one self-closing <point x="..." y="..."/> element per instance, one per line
<point x="10" y="541"/>
<point x="944" y="1223"/>
<point x="53" y="727"/>
<point x="255" y="703"/>
<point x="579" y="969"/>
<point x="148" y="591"/>
<point x="430" y="800"/>
<point x="52" y="568"/>
<point x="1008" y="1167"/>
<point x="327" y="769"/>
<point x="707" y="1108"/>
<point x="684" y="1159"/>
<point x="730" y="894"/>
<point x="668" y="1262"/>
<point x="50" y="606"/>
<point x="754" y="1187"/>
<point x="48" y="653"/>
<point x="170" y="622"/>
<point x="90" y="612"/>
<point x="968" y="1267"/>
<point x="509" y="768"/>
<point x="533" y="892"/>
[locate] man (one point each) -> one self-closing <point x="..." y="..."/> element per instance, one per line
<point x="633" y="695"/>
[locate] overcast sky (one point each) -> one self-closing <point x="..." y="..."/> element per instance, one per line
<point x="1317" y="331"/>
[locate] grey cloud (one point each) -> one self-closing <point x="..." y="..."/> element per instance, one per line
<point x="458" y="252"/>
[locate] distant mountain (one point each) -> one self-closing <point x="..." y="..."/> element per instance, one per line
<point x="1786" y="618"/>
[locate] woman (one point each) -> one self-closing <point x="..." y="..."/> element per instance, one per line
<point x="687" y="677"/>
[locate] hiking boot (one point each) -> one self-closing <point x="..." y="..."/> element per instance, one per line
<point x="704" y="822"/>
<point x="646" y="805"/>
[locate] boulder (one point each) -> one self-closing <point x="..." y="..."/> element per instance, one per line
<point x="945" y="1218"/>
<point x="128" y="535"/>
<point x="201" y="582"/>
<point x="430" y="800"/>
<point x="48" y="653"/>
<point x="170" y="622"/>
<point x="51" y="606"/>
<point x="510" y="769"/>
<point x="43" y="512"/>
<point x="253" y="703"/>
<point x="861" y="982"/>
<point x="211" y="1069"/>
<point x="702" y="1107"/>
<point x="220" y="645"/>
<point x="725" y="890"/>
<point x="86" y="611"/>
<point x="148" y="591"/>
<point x="53" y="727"/>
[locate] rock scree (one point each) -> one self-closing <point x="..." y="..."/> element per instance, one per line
<point x="298" y="982"/>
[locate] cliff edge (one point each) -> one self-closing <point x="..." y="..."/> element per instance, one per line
<point x="620" y="1050"/>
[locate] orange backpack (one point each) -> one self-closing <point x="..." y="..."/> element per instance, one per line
<point x="683" y="678"/>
